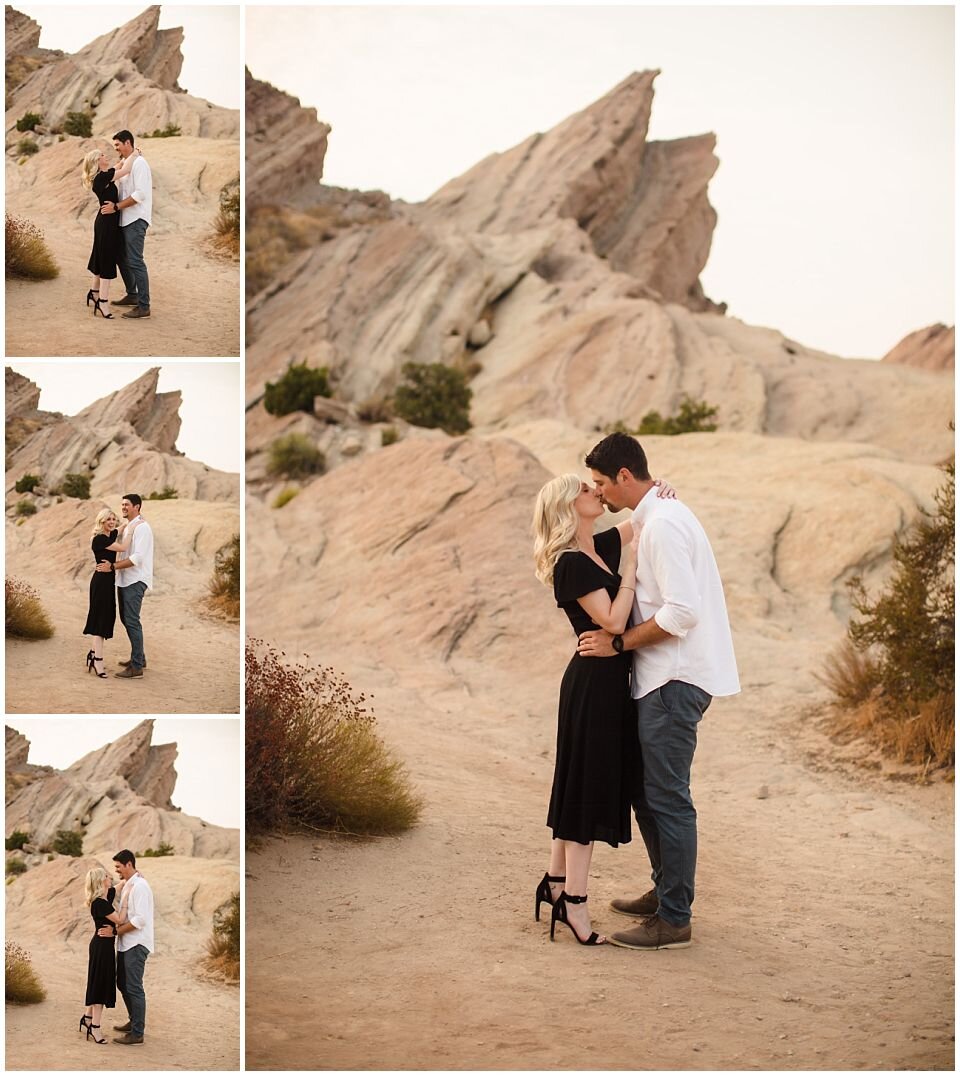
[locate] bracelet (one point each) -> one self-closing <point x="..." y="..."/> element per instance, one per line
<point x="634" y="589"/>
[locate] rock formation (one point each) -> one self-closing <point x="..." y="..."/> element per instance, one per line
<point x="118" y="796"/>
<point x="125" y="439"/>
<point x="21" y="33"/>
<point x="125" y="79"/>
<point x="931" y="348"/>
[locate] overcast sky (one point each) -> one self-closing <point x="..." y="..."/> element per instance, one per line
<point x="209" y="764"/>
<point x="212" y="40"/>
<point x="211" y="414"/>
<point x="834" y="125"/>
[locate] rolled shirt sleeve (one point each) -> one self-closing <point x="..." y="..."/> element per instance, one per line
<point x="672" y="564"/>
<point x="137" y="177"/>
<point x="141" y="546"/>
<point x="135" y="916"/>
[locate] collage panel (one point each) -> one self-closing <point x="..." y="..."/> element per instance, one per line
<point x="123" y="882"/>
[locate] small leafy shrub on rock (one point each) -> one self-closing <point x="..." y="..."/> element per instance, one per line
<point x="226" y="224"/>
<point x="170" y="131"/>
<point x="162" y="849"/>
<point x="15" y="866"/>
<point x="22" y="985"/>
<point x="26" y="147"/>
<point x="79" y="123"/>
<point x="26" y="252"/>
<point x="295" y="391"/>
<point x="313" y="757"/>
<point x="24" y="616"/>
<point x="27" y="484"/>
<point x="16" y="840"/>
<point x="389" y="436"/>
<point x="68" y="842"/>
<point x="76" y="485"/>
<point x="224" y="585"/>
<point x="694" y="416"/>
<point x="434" y="395"/>
<point x="168" y="493"/>
<point x="294" y="456"/>
<point x="223" y="945"/>
<point x="285" y="496"/>
<point x="26" y="508"/>
<point x="28" y="121"/>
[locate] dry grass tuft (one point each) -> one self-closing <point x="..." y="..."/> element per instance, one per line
<point x="313" y="757"/>
<point x="223" y="945"/>
<point x="24" y="615"/>
<point x="23" y="986"/>
<point x="224" y="585"/>
<point x="27" y="254"/>
<point x="226" y="224"/>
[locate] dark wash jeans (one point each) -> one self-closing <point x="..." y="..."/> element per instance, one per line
<point x="130" y="965"/>
<point x="129" y="600"/>
<point x="133" y="268"/>
<point x="667" y="720"/>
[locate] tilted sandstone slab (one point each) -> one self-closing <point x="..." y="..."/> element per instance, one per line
<point x="22" y="397"/>
<point x="21" y="33"/>
<point x="932" y="348"/>
<point x="155" y="53"/>
<point x="147" y="770"/>
<point x="154" y="415"/>
<point x="17" y="748"/>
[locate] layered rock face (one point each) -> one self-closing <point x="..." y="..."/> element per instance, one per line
<point x="126" y="440"/>
<point x="21" y="33"/>
<point x="118" y="797"/>
<point x="126" y="79"/>
<point x="932" y="348"/>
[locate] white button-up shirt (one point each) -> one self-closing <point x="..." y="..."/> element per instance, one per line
<point x="139" y="900"/>
<point x="141" y="553"/>
<point x="678" y="584"/>
<point x="138" y="184"/>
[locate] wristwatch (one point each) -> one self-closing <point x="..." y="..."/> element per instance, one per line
<point x="618" y="643"/>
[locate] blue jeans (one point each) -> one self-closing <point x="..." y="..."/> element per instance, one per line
<point x="129" y="600"/>
<point x="667" y="720"/>
<point x="130" y="965"/>
<point x="133" y="268"/>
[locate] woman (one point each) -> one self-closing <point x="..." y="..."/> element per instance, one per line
<point x="100" y="177"/>
<point x="102" y="962"/>
<point x="597" y="761"/>
<point x="102" y="614"/>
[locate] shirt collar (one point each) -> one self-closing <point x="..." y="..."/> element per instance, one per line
<point x="642" y="512"/>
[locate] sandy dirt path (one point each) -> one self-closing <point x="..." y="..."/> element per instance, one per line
<point x="823" y="926"/>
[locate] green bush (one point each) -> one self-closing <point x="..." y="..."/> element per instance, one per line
<point x="76" y="485"/>
<point x="24" y="616"/>
<point x="223" y="946"/>
<point x="68" y="842"/>
<point x="27" y="484"/>
<point x="16" y="866"/>
<point x="389" y="436"/>
<point x="313" y="757"/>
<point x="26" y="147"/>
<point x="285" y="496"/>
<point x="79" y="123"/>
<point x="162" y="849"/>
<point x="434" y="395"/>
<point x="168" y="493"/>
<point x="26" y="508"/>
<point x="16" y="840"/>
<point x="26" y="252"/>
<point x="224" y="585"/>
<point x="28" y="121"/>
<point x="170" y="131"/>
<point x="22" y="985"/>
<point x="296" y="390"/>
<point x="693" y="417"/>
<point x="294" y="456"/>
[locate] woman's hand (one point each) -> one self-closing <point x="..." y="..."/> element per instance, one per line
<point x="664" y="489"/>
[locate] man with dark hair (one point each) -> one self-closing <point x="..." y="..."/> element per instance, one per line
<point x="134" y="945"/>
<point x="136" y="213"/>
<point x="134" y="576"/>
<point x="682" y="658"/>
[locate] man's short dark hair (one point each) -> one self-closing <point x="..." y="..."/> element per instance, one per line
<point x="133" y="498"/>
<point x="125" y="856"/>
<point x="123" y="136"/>
<point x="616" y="451"/>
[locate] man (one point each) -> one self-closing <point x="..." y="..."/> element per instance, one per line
<point x="682" y="657"/>
<point x="136" y="212"/>
<point x="134" y="945"/>
<point x="134" y="576"/>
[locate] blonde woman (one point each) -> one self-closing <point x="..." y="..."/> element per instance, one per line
<point x="102" y="613"/>
<point x="102" y="963"/>
<point x="597" y="758"/>
<point x="100" y="177"/>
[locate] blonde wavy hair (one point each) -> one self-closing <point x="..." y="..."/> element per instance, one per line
<point x="91" y="165"/>
<point x="92" y="883"/>
<point x="98" y="522"/>
<point x="555" y="523"/>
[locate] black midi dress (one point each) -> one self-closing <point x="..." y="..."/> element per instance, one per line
<point x="102" y="964"/>
<point x="107" y="240"/>
<point x="597" y="771"/>
<point x="102" y="614"/>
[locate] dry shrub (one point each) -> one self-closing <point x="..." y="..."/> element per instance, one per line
<point x="226" y="224"/>
<point x="285" y="496"/>
<point x="27" y="254"/>
<point x="24" y="615"/>
<point x="313" y="757"/>
<point x="224" y="585"/>
<point x="23" y="986"/>
<point x="223" y="945"/>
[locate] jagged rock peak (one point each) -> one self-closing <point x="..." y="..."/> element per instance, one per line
<point x="932" y="348"/>
<point x="21" y="33"/>
<point x="18" y="746"/>
<point x="154" y="415"/>
<point x="283" y="138"/>
<point x="22" y="395"/>
<point x="147" y="770"/>
<point x="155" y="53"/>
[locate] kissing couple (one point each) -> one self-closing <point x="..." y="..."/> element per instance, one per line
<point x="119" y="582"/>
<point x="654" y="648"/>
<point x="130" y="924"/>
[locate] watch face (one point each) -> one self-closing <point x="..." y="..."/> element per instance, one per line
<point x="618" y="643"/>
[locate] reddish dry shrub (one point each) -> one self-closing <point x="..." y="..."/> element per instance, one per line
<point x="24" y="616"/>
<point x="27" y="254"/>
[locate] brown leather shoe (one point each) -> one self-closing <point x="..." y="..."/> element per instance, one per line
<point x="127" y="300"/>
<point x="123" y="1027"/>
<point x="137" y="312"/>
<point x="639" y="908"/>
<point x="130" y="670"/>
<point x="129" y="1039"/>
<point x="653" y="933"/>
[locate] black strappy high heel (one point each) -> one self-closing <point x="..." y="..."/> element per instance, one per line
<point x="83" y="1021"/>
<point x="544" y="895"/>
<point x="93" y="665"/>
<point x="99" y="1042"/>
<point x="97" y="310"/>
<point x="90" y="297"/>
<point x="560" y="916"/>
<point x="90" y="661"/>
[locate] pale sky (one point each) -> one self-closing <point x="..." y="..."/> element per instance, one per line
<point x="211" y="414"/>
<point x="209" y="764"/>
<point x="834" y="124"/>
<point x="212" y="40"/>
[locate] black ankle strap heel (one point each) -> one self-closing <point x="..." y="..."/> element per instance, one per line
<point x="544" y="894"/>
<point x="560" y="916"/>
